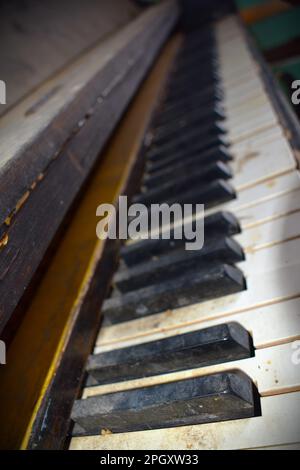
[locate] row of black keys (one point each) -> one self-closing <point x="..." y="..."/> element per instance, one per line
<point x="187" y="162"/>
<point x="215" y="397"/>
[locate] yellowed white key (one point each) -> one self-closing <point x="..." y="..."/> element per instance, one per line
<point x="272" y="257"/>
<point x="261" y="195"/>
<point x="263" y="289"/>
<point x="243" y="73"/>
<point x="262" y="192"/>
<point x="269" y="210"/>
<point x="269" y="325"/>
<point x="269" y="233"/>
<point x="272" y="370"/>
<point x="255" y="142"/>
<point x="246" y="113"/>
<point x="234" y="113"/>
<point x="242" y="92"/>
<point x="271" y="160"/>
<point x="240" y="131"/>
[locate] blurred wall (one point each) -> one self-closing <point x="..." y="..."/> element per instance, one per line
<point x="39" y="37"/>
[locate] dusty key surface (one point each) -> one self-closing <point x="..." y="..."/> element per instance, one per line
<point x="221" y="343"/>
<point x="212" y="398"/>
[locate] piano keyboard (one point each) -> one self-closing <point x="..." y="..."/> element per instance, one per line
<point x="196" y="348"/>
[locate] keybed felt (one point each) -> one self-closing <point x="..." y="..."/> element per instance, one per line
<point x="266" y="204"/>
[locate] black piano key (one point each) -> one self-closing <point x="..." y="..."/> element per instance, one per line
<point x="207" y="283"/>
<point x="205" y="45"/>
<point x="195" y="78"/>
<point x="206" y="96"/>
<point x="194" y="44"/>
<point x="181" y="182"/>
<point x="193" y="41"/>
<point x="222" y="222"/>
<point x="157" y="158"/>
<point x="171" y="265"/>
<point x="200" y="34"/>
<point x="193" y="117"/>
<point x="210" y="64"/>
<point x="195" y="57"/>
<point x="194" y="67"/>
<point x="196" y="117"/>
<point x="184" y="166"/>
<point x="201" y="129"/>
<point x="194" y="81"/>
<point x="191" y="107"/>
<point x="210" y="398"/>
<point x="214" y="345"/>
<point x="191" y="59"/>
<point x="212" y="194"/>
<point x="186" y="157"/>
<point x="204" y="136"/>
<point x="211" y="93"/>
<point x="218" y="224"/>
<point x="198" y="132"/>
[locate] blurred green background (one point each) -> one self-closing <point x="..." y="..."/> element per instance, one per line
<point x="275" y="26"/>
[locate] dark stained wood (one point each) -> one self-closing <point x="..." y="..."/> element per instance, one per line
<point x="52" y="423"/>
<point x="34" y="225"/>
<point x="284" y="51"/>
<point x="119" y="171"/>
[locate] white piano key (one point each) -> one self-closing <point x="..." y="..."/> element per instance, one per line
<point x="229" y="35"/>
<point x="236" y="76"/>
<point x="272" y="370"/>
<point x="242" y="74"/>
<point x="246" y="105"/>
<point x="255" y="142"/>
<point x="243" y="87"/>
<point x="270" y="233"/>
<point x="269" y="325"/>
<point x="270" y="200"/>
<point x="229" y="53"/>
<point x="241" y="131"/>
<point x="278" y="425"/>
<point x="245" y="101"/>
<point x="231" y="48"/>
<point x="245" y="117"/>
<point x="263" y="202"/>
<point x="246" y="113"/>
<point x="272" y="257"/>
<point x="232" y="72"/>
<point x="271" y="160"/>
<point x="243" y="92"/>
<point x="263" y="289"/>
<point x="263" y="192"/>
<point x="268" y="210"/>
